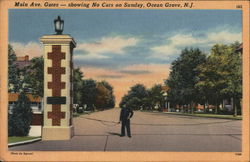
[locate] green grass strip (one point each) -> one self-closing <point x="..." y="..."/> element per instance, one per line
<point x="20" y="139"/>
<point x="211" y="115"/>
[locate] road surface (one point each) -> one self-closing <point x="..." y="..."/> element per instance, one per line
<point x="150" y="132"/>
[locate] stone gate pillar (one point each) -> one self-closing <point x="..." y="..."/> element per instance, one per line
<point x="58" y="92"/>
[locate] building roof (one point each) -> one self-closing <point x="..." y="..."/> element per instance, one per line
<point x="22" y="62"/>
<point x="22" y="58"/>
<point x="14" y="96"/>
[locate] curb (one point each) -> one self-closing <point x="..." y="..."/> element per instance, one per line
<point x="203" y="116"/>
<point x="24" y="142"/>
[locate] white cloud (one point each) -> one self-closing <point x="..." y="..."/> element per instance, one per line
<point x="165" y="50"/>
<point x="224" y="37"/>
<point x="183" y="40"/>
<point x="89" y="57"/>
<point x="168" y="50"/>
<point x="106" y="45"/>
<point x="32" y="49"/>
<point x="179" y="41"/>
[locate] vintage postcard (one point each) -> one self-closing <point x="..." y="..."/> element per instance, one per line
<point x="85" y="80"/>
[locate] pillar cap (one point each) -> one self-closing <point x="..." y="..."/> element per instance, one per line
<point x="58" y="39"/>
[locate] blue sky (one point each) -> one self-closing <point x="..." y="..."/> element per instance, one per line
<point x="82" y="24"/>
<point x="143" y="34"/>
<point x="126" y="47"/>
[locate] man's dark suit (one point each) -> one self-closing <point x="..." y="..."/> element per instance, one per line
<point x="125" y="116"/>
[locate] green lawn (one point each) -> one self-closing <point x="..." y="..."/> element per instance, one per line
<point x="219" y="116"/>
<point x="211" y="115"/>
<point x="19" y="139"/>
<point x="75" y="114"/>
<point x="79" y="114"/>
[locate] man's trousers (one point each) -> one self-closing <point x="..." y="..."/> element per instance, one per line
<point x="125" y="123"/>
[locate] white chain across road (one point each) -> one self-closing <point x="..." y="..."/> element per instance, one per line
<point x="104" y="122"/>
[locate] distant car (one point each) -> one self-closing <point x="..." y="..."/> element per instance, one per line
<point x="228" y="107"/>
<point x="75" y="106"/>
<point x="80" y="110"/>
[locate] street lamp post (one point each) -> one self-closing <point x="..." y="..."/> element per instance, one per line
<point x="165" y="94"/>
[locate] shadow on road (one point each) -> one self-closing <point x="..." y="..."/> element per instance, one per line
<point x="113" y="133"/>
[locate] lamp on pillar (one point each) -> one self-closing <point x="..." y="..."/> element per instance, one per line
<point x="59" y="23"/>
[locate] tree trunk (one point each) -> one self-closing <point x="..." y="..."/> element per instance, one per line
<point x="234" y="106"/>
<point x="204" y="108"/>
<point x="192" y="107"/>
<point x="240" y="106"/>
<point x="216" y="108"/>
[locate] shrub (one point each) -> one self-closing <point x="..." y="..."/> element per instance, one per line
<point x="21" y="117"/>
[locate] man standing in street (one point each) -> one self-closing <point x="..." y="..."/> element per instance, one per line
<point x="125" y="115"/>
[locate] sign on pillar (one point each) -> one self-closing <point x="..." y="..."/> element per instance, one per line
<point x="58" y="92"/>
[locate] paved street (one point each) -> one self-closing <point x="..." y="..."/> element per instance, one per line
<point x="150" y="132"/>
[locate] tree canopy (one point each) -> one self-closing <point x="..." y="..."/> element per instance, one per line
<point x="135" y="97"/>
<point x="183" y="77"/>
<point x="13" y="85"/>
<point x="140" y="98"/>
<point x="221" y="75"/>
<point x="77" y="85"/>
<point x="197" y="78"/>
<point x="35" y="77"/>
<point x="93" y="94"/>
<point x="104" y="96"/>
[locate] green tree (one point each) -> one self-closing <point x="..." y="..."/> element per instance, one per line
<point x="18" y="78"/>
<point x="124" y="100"/>
<point x="183" y="78"/>
<point x="212" y="76"/>
<point x="102" y="95"/>
<point x="12" y="71"/>
<point x="110" y="102"/>
<point x="155" y="96"/>
<point x="91" y="93"/>
<point x="21" y="117"/>
<point x="135" y="97"/>
<point x="77" y="85"/>
<point x="138" y="90"/>
<point x="234" y="77"/>
<point x="35" y="77"/>
<point x="88" y="93"/>
<point x="134" y="103"/>
<point x="221" y="76"/>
